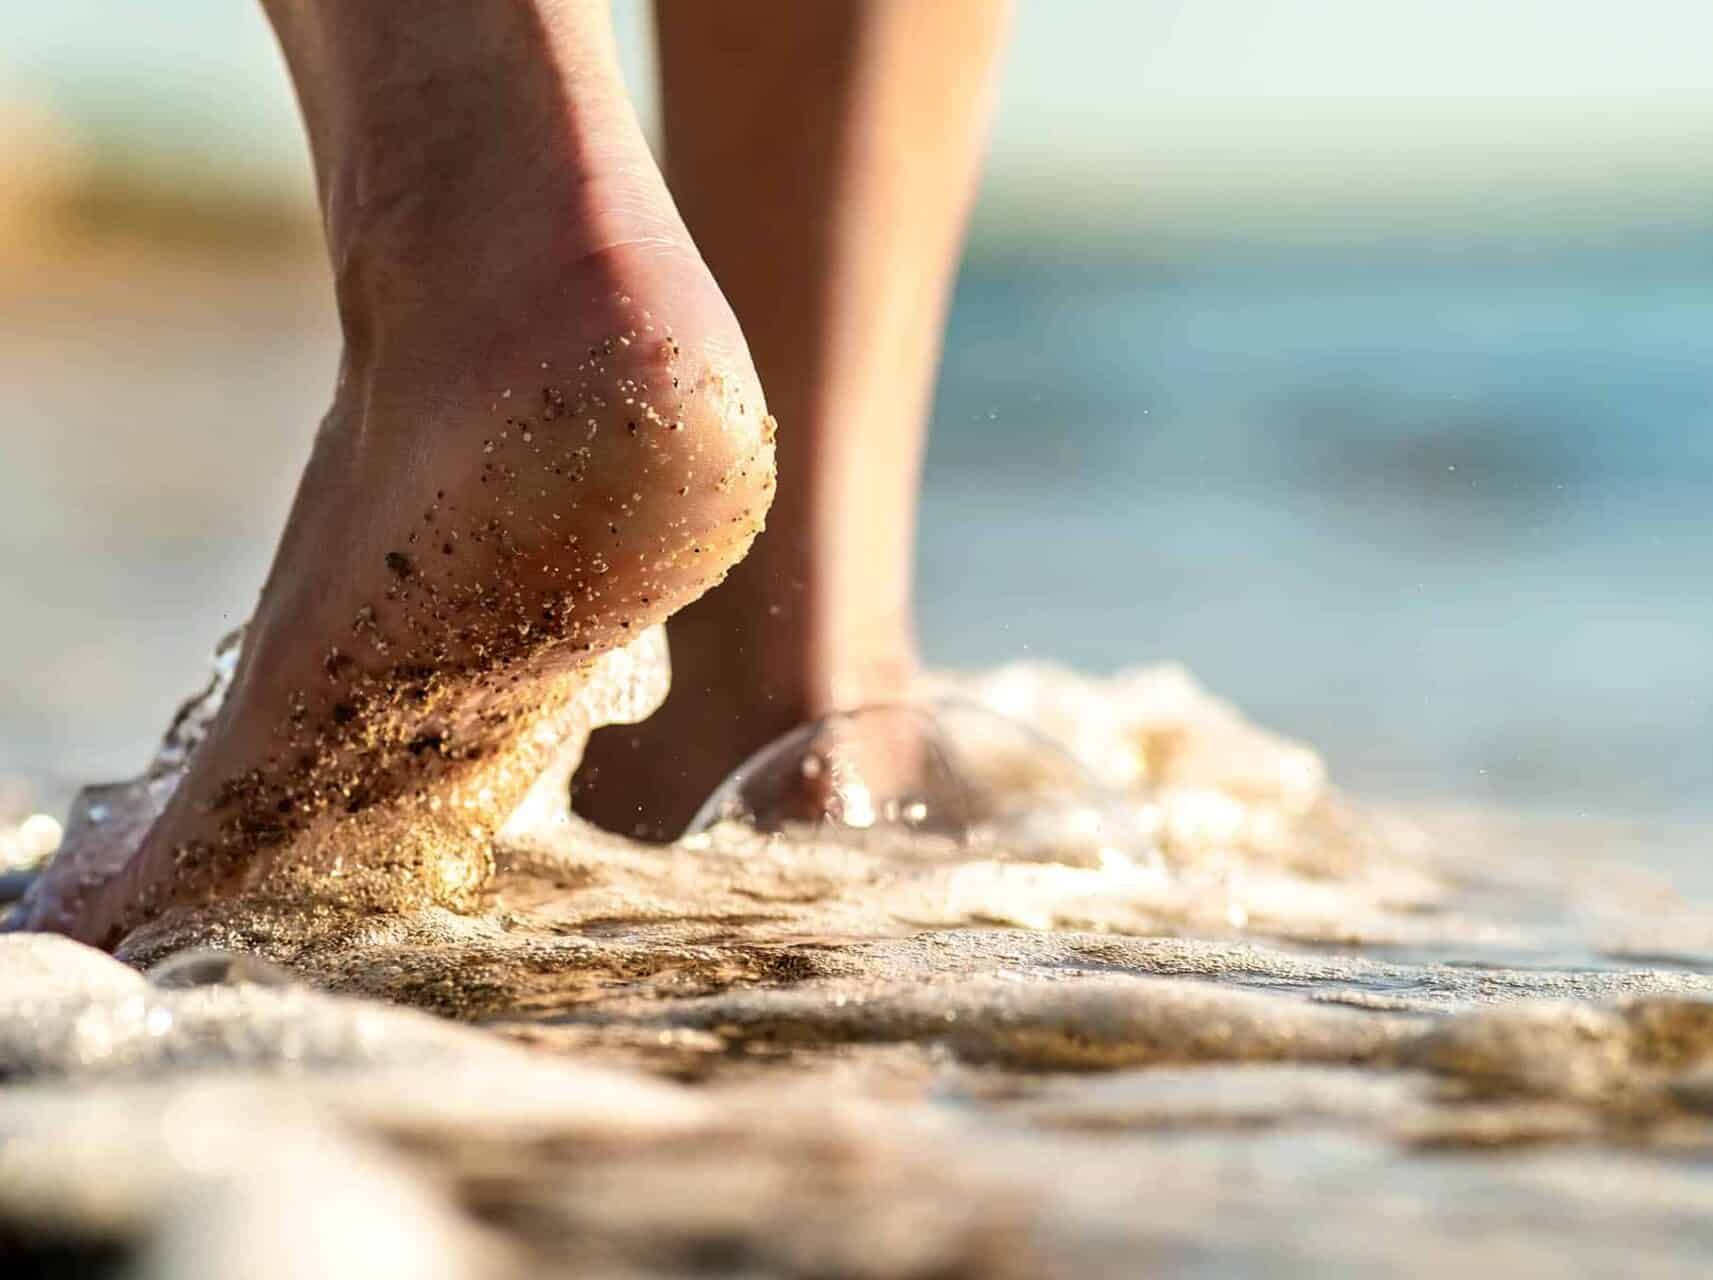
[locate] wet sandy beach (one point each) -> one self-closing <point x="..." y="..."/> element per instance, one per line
<point x="1235" y="1023"/>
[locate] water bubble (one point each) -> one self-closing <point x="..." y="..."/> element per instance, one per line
<point x="948" y="771"/>
<point x="209" y="967"/>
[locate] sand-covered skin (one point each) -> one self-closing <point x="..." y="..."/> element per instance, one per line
<point x="1249" y="1028"/>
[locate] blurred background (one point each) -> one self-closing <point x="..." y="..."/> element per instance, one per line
<point x="1356" y="353"/>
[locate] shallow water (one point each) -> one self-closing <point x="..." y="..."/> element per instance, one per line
<point x="1234" y="1023"/>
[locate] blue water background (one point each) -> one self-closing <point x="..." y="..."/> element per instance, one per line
<point x="1446" y="516"/>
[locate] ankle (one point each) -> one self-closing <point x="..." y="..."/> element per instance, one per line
<point x="878" y="675"/>
<point x="782" y="659"/>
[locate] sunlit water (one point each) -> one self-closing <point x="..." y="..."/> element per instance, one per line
<point x="1041" y="974"/>
<point x="1439" y="509"/>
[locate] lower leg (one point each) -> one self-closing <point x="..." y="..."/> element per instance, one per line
<point x="824" y="156"/>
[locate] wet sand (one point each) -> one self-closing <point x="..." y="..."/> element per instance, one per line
<point x="1237" y="1023"/>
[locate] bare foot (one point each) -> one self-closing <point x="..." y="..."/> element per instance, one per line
<point x="743" y="675"/>
<point x="547" y="436"/>
<point x="825" y="156"/>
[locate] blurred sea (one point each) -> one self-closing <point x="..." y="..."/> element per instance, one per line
<point x="1446" y="516"/>
<point x="1443" y="515"/>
